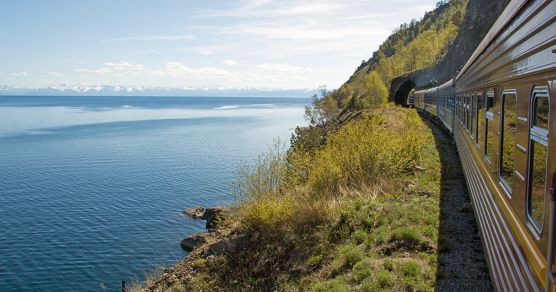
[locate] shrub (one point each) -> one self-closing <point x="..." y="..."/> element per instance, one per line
<point x="406" y="234"/>
<point x="385" y="278"/>
<point x="268" y="214"/>
<point x="334" y="285"/>
<point x="362" y="270"/>
<point x="410" y="269"/>
<point x="359" y="236"/>
<point x="365" y="152"/>
<point x="378" y="236"/>
<point x="263" y="178"/>
<point x="351" y="254"/>
<point x="388" y="264"/>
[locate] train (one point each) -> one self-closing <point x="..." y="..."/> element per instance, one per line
<point x="501" y="111"/>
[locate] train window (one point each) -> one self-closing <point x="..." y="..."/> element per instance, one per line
<point x="460" y="109"/>
<point x="490" y="150"/>
<point x="541" y="114"/>
<point x="466" y="111"/>
<point x="507" y="139"/>
<point x="480" y="118"/>
<point x="457" y="108"/>
<point x="538" y="157"/>
<point x="473" y="105"/>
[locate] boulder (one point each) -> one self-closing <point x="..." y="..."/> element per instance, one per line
<point x="213" y="217"/>
<point x="195" y="213"/>
<point x="191" y="242"/>
<point x="227" y="245"/>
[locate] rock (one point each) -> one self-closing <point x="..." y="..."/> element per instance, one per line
<point x="213" y="217"/>
<point x="195" y="213"/>
<point x="210" y="213"/>
<point x="191" y="242"/>
<point x="227" y="245"/>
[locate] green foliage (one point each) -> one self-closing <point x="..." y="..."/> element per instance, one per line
<point x="359" y="236"/>
<point x="365" y="152"/>
<point x="351" y="255"/>
<point x="269" y="213"/>
<point x="406" y="234"/>
<point x="372" y="92"/>
<point x="334" y="285"/>
<point x="410" y="269"/>
<point x="362" y="270"/>
<point x="385" y="278"/>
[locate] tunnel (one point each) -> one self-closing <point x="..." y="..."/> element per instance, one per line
<point x="400" y="97"/>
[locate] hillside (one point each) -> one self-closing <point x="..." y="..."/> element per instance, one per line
<point x="413" y="46"/>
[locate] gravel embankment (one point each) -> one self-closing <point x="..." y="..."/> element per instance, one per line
<point x="462" y="262"/>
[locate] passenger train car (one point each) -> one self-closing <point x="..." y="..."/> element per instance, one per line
<point x="501" y="110"/>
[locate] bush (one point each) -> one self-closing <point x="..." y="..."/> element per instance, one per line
<point x="385" y="278"/>
<point x="410" y="269"/>
<point x="269" y="215"/>
<point x="335" y="285"/>
<point x="406" y="234"/>
<point x="359" y="236"/>
<point x="351" y="254"/>
<point x="362" y="270"/>
<point x="263" y="178"/>
<point x="388" y="264"/>
<point x="366" y="152"/>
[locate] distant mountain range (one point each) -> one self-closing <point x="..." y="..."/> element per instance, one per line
<point x="111" y="90"/>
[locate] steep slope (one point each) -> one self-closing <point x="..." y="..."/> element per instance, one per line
<point x="479" y="18"/>
<point x="419" y="54"/>
<point x="413" y="46"/>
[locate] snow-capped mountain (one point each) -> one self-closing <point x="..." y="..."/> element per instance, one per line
<point x="115" y="90"/>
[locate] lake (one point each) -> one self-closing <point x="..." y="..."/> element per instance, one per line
<point x="92" y="189"/>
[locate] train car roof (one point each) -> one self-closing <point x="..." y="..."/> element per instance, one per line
<point x="449" y="83"/>
<point x="507" y="15"/>
<point x="419" y="92"/>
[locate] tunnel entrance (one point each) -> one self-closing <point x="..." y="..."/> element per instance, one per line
<point x="400" y="98"/>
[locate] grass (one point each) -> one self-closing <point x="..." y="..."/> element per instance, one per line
<point x="349" y="212"/>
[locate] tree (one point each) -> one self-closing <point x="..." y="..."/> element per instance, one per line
<point x="376" y="93"/>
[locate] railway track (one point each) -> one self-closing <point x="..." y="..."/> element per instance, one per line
<point x="458" y="235"/>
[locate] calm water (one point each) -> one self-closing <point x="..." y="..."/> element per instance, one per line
<point x="92" y="188"/>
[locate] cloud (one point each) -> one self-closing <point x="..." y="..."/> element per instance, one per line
<point x="115" y="68"/>
<point x="150" y="38"/>
<point x="281" y="67"/>
<point x="286" y="43"/>
<point x="230" y="62"/>
<point x="256" y="9"/>
<point x="20" y="74"/>
<point x="56" y="74"/>
<point x="205" y="51"/>
<point x="170" y="69"/>
<point x="176" y="69"/>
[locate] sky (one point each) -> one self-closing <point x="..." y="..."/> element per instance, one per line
<point x="171" y="43"/>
